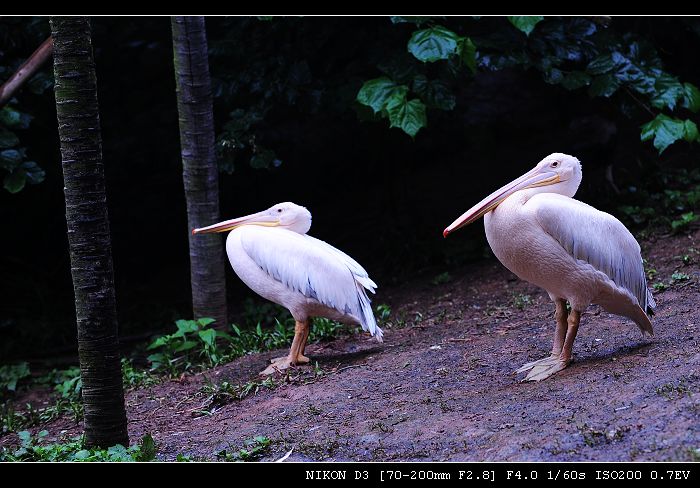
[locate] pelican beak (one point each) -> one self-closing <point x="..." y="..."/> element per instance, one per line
<point x="531" y="179"/>
<point x="260" y="218"/>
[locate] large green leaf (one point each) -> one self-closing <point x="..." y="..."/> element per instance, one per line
<point x="667" y="91"/>
<point x="13" y="118"/>
<point x="602" y="64"/>
<point x="409" y="116"/>
<point x="526" y="23"/>
<point x="7" y="138"/>
<point x="185" y="327"/>
<point x="468" y="54"/>
<point x="11" y="158"/>
<point x="186" y="346"/>
<point x="10" y="117"/>
<point x="208" y="336"/>
<point x="690" y="131"/>
<point x="15" y="181"/>
<point x="603" y="86"/>
<point x="576" y="80"/>
<point x="434" y="93"/>
<point x="434" y="44"/>
<point x="691" y="97"/>
<point x="161" y="341"/>
<point x="33" y="172"/>
<point x="666" y="130"/>
<point x="377" y="92"/>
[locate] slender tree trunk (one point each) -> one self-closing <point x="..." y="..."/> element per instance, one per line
<point x="88" y="232"/>
<point x="199" y="169"/>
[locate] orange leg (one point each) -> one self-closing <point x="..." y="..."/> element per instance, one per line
<point x="564" y="336"/>
<point x="295" y="356"/>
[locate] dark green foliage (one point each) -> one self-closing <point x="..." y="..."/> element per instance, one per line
<point x="672" y="201"/>
<point x="434" y="44"/>
<point x="193" y="341"/>
<point x="10" y="375"/>
<point x="13" y="158"/>
<point x="33" y="448"/>
<point x="526" y="23"/>
<point x="66" y="383"/>
<point x="18" y="39"/>
<point x="574" y="53"/>
<point x="194" y="344"/>
<point x="136" y="378"/>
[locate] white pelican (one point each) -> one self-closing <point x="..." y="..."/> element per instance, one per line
<point x="272" y="254"/>
<point x="574" y="251"/>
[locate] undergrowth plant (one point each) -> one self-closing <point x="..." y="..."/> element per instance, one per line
<point x="33" y="448"/>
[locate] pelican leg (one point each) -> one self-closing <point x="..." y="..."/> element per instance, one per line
<point x="557" y="363"/>
<point x="559" y="335"/>
<point x="307" y="330"/>
<point x="295" y="356"/>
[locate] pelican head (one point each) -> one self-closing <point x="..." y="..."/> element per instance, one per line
<point x="287" y="215"/>
<point x="557" y="173"/>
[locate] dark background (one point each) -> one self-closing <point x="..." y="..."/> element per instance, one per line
<point x="373" y="191"/>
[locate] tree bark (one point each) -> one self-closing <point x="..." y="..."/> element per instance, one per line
<point x="88" y="232"/>
<point x="199" y="168"/>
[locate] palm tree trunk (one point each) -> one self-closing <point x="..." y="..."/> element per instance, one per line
<point x="199" y="169"/>
<point x="88" y="232"/>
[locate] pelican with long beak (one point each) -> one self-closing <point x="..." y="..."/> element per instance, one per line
<point x="577" y="253"/>
<point x="272" y="254"/>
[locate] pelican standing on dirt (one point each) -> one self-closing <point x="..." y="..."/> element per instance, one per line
<point x="572" y="250"/>
<point x="272" y="254"/>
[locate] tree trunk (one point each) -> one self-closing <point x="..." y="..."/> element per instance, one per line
<point x="88" y="232"/>
<point x="199" y="169"/>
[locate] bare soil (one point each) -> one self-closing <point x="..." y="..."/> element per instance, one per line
<point x="442" y="385"/>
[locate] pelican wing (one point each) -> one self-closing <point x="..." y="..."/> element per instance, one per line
<point x="315" y="269"/>
<point x="597" y="238"/>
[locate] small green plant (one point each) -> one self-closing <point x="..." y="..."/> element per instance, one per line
<point x="32" y="448"/>
<point x="136" y="378"/>
<point x="11" y="420"/>
<point x="179" y="351"/>
<point x="383" y="312"/>
<point x="521" y="301"/>
<point x="65" y="382"/>
<point x="650" y="272"/>
<point x="442" y="278"/>
<point x="659" y="286"/>
<point x="254" y="449"/>
<point x="69" y="385"/>
<point x="324" y="329"/>
<point x="683" y="221"/>
<point x="10" y="375"/>
<point x="677" y="276"/>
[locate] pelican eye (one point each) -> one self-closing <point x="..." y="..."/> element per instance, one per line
<point x="555" y="164"/>
<point x="279" y="210"/>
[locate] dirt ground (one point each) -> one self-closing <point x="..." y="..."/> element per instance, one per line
<point x="442" y="385"/>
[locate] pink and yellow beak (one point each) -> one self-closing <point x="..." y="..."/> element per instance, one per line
<point x="533" y="178"/>
<point x="260" y="218"/>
